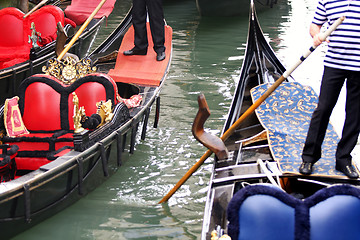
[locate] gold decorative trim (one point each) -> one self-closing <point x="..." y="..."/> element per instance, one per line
<point x="104" y="109"/>
<point x="68" y="70"/>
<point x="79" y="114"/>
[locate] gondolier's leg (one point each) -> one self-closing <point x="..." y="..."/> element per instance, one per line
<point x="156" y="19"/>
<point x="351" y="127"/>
<point x="331" y="85"/>
<point x="139" y="14"/>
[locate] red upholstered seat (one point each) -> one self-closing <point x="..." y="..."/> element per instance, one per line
<point x="88" y="101"/>
<point x="46" y="107"/>
<point x="46" y="104"/>
<point x="13" y="44"/>
<point x="43" y="143"/>
<point x="43" y="97"/>
<point x="11" y="22"/>
<point x="45" y="20"/>
<point x="15" y="32"/>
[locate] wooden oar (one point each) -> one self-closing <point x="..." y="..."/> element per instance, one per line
<point x="251" y="109"/>
<point x="82" y="28"/>
<point x="36" y="7"/>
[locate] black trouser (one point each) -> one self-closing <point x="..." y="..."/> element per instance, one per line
<point x="332" y="82"/>
<point x="156" y="19"/>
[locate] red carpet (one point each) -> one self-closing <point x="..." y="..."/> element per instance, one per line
<point x="144" y="70"/>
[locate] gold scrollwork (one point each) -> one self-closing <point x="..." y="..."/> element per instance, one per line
<point x="68" y="70"/>
<point x="104" y="109"/>
<point x="79" y="114"/>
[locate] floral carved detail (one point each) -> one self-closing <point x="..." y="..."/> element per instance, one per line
<point x="68" y="70"/>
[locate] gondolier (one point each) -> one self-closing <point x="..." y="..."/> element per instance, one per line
<point x="342" y="62"/>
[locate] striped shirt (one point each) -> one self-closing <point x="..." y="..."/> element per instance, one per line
<point x="344" y="47"/>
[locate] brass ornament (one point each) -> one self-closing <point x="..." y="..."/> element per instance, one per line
<point x="104" y="109"/>
<point x="79" y="114"/>
<point x="34" y="37"/>
<point x="68" y="70"/>
<point x="214" y="236"/>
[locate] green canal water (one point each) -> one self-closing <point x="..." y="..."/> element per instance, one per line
<point x="207" y="57"/>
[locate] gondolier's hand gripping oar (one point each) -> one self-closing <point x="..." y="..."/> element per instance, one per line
<point x="322" y="37"/>
<point x="251" y="109"/>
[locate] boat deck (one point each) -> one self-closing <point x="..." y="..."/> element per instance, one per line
<point x="144" y="69"/>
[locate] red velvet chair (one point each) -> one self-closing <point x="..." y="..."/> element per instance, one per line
<point x="15" y="32"/>
<point x="46" y="107"/>
<point x="13" y="37"/>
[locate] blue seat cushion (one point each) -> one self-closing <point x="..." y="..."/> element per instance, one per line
<point x="262" y="211"/>
<point x="335" y="213"/>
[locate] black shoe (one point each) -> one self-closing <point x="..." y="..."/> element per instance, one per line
<point x="160" y="56"/>
<point x="306" y="168"/>
<point x="348" y="170"/>
<point x="135" y="52"/>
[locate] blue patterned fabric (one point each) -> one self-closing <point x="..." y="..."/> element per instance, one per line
<point x="286" y="115"/>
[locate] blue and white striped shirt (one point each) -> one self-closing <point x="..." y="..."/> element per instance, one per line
<point x="344" y="47"/>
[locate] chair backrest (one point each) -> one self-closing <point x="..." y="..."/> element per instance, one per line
<point x="335" y="213"/>
<point x="46" y="104"/>
<point x="265" y="212"/>
<point x="45" y="20"/>
<point x="16" y="32"/>
<point x="261" y="212"/>
<point x="12" y="29"/>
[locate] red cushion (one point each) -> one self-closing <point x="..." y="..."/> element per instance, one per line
<point x="8" y="61"/>
<point x="15" y="32"/>
<point x="13" y="39"/>
<point x="27" y="163"/>
<point x="47" y="105"/>
<point x="30" y="144"/>
<point x="40" y="141"/>
<point x="86" y="100"/>
<point x="45" y="19"/>
<point x="11" y="25"/>
<point x="41" y="108"/>
<point x="59" y="145"/>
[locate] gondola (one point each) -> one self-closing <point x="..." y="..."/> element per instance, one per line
<point x="255" y="190"/>
<point x="230" y="7"/>
<point x="20" y="58"/>
<point x="72" y="134"/>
